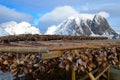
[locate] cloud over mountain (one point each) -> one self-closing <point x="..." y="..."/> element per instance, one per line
<point x="59" y="14"/>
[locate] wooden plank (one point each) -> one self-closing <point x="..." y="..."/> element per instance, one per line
<point x="24" y="49"/>
<point x="90" y="74"/>
<point x="86" y="76"/>
<point x="53" y="54"/>
<point x="104" y="75"/>
<point x="70" y="47"/>
<point x="103" y="72"/>
<point x="37" y="49"/>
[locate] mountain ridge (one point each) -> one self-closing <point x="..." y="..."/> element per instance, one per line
<point x="82" y="26"/>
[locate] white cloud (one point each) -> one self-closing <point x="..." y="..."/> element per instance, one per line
<point x="7" y="14"/>
<point x="59" y="13"/>
<point x="13" y="28"/>
<point x="51" y="30"/>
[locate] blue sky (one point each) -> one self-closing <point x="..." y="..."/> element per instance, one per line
<point x="45" y="13"/>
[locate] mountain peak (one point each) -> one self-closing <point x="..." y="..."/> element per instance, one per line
<point x="83" y="26"/>
<point x="98" y="18"/>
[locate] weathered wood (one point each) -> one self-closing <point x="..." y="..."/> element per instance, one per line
<point x="103" y="72"/>
<point x="104" y="75"/>
<point x="76" y="52"/>
<point x="83" y="54"/>
<point x="74" y="47"/>
<point x="42" y="49"/>
<point x="36" y="37"/>
<point x="51" y="55"/>
<point x="24" y="49"/>
<point x="108" y="74"/>
<point x="57" y="45"/>
<point x="73" y="74"/>
<point x="91" y="75"/>
<point x="86" y="76"/>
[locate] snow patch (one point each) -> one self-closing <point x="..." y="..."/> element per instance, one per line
<point x="103" y="14"/>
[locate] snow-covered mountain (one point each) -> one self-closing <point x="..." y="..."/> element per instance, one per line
<point x="14" y="28"/>
<point x="82" y="26"/>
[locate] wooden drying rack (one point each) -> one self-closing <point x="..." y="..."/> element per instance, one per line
<point x="48" y="52"/>
<point x="91" y="74"/>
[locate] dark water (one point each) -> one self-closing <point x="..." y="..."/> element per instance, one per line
<point x="115" y="73"/>
<point x="6" y="76"/>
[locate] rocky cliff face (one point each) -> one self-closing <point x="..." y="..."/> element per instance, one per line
<point x="98" y="26"/>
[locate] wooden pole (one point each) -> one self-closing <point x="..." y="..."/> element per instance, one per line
<point x="73" y="74"/>
<point x="76" y="52"/>
<point x="119" y="61"/>
<point x="108" y="74"/>
<point x="90" y="75"/>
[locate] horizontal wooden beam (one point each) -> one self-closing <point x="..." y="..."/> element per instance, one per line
<point x="70" y="47"/>
<point x="34" y="49"/>
<point x="24" y="49"/>
<point x="37" y="49"/>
